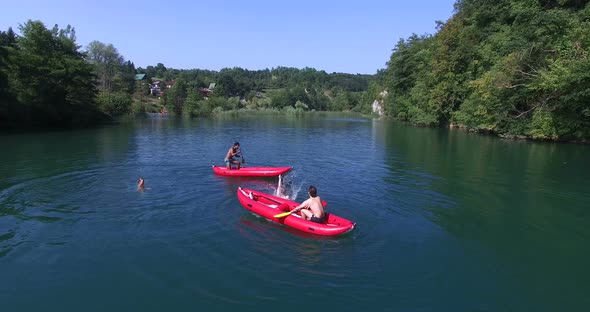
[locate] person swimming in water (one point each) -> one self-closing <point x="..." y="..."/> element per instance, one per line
<point x="140" y="184"/>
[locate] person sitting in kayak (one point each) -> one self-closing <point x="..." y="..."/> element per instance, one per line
<point x="233" y="151"/>
<point x="312" y="208"/>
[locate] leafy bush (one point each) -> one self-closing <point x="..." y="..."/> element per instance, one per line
<point x="114" y="104"/>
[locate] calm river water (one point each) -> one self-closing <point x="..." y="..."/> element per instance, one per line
<point x="446" y="221"/>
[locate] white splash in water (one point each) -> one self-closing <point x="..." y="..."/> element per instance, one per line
<point x="280" y="191"/>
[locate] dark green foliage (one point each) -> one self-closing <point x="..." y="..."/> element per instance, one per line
<point x="278" y="88"/>
<point x="114" y="103"/>
<point x="126" y="78"/>
<point x="114" y="74"/>
<point x="8" y="105"/>
<point x="515" y="68"/>
<point x="45" y="81"/>
<point x="175" y="97"/>
<point x="195" y="105"/>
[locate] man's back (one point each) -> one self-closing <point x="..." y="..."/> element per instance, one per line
<point x="316" y="206"/>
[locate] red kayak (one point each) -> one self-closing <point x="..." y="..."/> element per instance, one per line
<point x="267" y="206"/>
<point x="251" y="171"/>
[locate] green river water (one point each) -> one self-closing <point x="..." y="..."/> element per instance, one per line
<point x="446" y="220"/>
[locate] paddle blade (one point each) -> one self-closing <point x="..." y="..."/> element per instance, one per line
<point x="284" y="214"/>
<point x="243" y="160"/>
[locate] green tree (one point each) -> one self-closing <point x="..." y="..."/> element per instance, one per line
<point x="9" y="108"/>
<point x="108" y="63"/>
<point x="51" y="79"/>
<point x="175" y="97"/>
<point x="193" y="103"/>
<point x="115" y="103"/>
<point x="515" y="68"/>
<point x="160" y="71"/>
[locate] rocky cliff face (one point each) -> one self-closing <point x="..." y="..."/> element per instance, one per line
<point x="378" y="108"/>
<point x="378" y="104"/>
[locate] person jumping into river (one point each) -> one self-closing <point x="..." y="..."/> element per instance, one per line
<point x="233" y="151"/>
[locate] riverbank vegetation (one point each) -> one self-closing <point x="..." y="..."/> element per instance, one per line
<point x="203" y="92"/>
<point x="514" y="68"/>
<point x="47" y="80"/>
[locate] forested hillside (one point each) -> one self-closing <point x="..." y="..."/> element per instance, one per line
<point x="279" y="89"/>
<point x="48" y="81"/>
<point x="517" y="68"/>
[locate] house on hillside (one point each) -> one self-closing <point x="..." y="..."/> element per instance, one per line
<point x="207" y="91"/>
<point x="169" y="84"/>
<point x="155" y="88"/>
<point x="140" y="77"/>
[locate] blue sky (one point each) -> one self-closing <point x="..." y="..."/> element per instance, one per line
<point x="335" y="36"/>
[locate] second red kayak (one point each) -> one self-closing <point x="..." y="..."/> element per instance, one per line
<point x="269" y="206"/>
<point x="251" y="171"/>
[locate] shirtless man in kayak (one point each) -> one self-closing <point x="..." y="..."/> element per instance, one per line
<point x="233" y="151"/>
<point x="312" y="208"/>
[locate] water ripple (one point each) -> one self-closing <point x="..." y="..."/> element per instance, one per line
<point x="437" y="224"/>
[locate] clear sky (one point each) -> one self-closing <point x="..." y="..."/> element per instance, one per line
<point x="335" y="36"/>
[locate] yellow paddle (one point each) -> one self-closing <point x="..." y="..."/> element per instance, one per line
<point x="283" y="207"/>
<point x="284" y="214"/>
